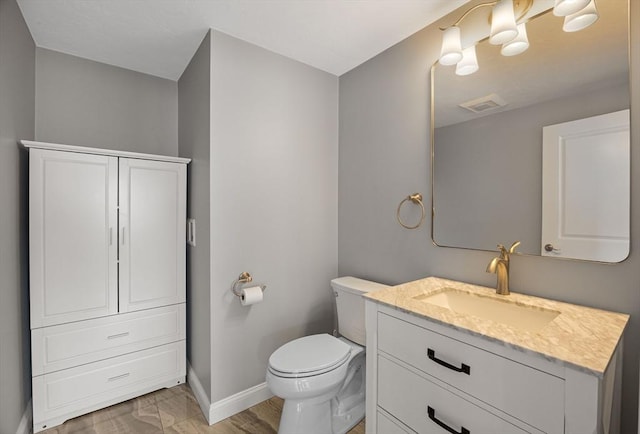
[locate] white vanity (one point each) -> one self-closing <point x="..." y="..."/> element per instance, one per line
<point x="445" y="356"/>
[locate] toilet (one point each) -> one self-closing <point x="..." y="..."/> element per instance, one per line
<point x="321" y="377"/>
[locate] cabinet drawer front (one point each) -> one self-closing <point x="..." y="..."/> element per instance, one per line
<point x="87" y="386"/>
<point x="410" y="397"/>
<point x="532" y="396"/>
<point x="386" y="426"/>
<point x="67" y="345"/>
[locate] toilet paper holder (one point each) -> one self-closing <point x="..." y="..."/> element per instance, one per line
<point x="244" y="277"/>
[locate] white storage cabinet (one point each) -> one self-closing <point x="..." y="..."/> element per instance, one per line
<point x="107" y="277"/>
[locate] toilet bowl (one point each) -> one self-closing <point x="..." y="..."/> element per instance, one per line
<point x="321" y="377"/>
<point x="323" y="393"/>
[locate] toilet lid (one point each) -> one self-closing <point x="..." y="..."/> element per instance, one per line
<point x="310" y="354"/>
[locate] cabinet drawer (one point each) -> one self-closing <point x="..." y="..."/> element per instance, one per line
<point x="422" y="405"/>
<point x="386" y="426"/>
<point x="84" y="388"/>
<point x="532" y="396"/>
<point x="67" y="345"/>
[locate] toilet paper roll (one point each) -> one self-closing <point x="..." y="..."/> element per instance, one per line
<point x="251" y="295"/>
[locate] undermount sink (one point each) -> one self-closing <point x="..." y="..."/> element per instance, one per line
<point x="524" y="317"/>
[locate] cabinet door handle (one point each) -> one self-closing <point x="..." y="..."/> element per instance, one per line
<point x="432" y="415"/>
<point x="118" y="377"/>
<point x="122" y="236"/>
<point x="111" y="236"/>
<point x="119" y="335"/>
<point x="464" y="368"/>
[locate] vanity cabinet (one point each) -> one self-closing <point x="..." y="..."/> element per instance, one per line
<point x="107" y="277"/>
<point x="426" y="377"/>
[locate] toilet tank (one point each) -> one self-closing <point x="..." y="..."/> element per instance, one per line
<point x="350" y="305"/>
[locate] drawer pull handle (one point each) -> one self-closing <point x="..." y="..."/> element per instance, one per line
<point x="119" y="335"/>
<point x="432" y="415"/>
<point x="118" y="377"/>
<point x="464" y="368"/>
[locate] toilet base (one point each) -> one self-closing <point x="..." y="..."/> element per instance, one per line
<point x="335" y="412"/>
<point x="319" y="417"/>
<point x="348" y="407"/>
<point x="342" y="423"/>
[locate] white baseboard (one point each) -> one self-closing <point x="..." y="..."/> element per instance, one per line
<point x="239" y="402"/>
<point x="26" y="423"/>
<point x="198" y="390"/>
<point x="219" y="410"/>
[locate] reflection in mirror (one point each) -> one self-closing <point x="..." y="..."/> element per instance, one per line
<point x="569" y="89"/>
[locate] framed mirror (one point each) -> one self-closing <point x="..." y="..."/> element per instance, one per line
<point x="535" y="147"/>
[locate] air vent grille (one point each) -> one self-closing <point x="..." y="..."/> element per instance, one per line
<point x="484" y="103"/>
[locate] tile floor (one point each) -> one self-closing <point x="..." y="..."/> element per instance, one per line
<point x="175" y="411"/>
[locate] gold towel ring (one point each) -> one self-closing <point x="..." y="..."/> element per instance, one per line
<point x="417" y="199"/>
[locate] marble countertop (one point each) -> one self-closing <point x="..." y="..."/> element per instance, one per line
<point x="581" y="337"/>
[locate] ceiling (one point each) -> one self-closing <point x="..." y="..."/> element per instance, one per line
<point x="159" y="37"/>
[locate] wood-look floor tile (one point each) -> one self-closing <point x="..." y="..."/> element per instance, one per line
<point x="131" y="406"/>
<point x="171" y="392"/>
<point x="178" y="408"/>
<point x="81" y="424"/>
<point x="269" y="411"/>
<point x="192" y="425"/>
<point x="199" y="425"/>
<point x="358" y="429"/>
<point x="140" y="421"/>
<point x="176" y="411"/>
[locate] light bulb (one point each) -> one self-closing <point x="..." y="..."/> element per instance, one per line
<point x="563" y="8"/>
<point x="517" y="45"/>
<point x="503" y="23"/>
<point x="469" y="63"/>
<point x="581" y="19"/>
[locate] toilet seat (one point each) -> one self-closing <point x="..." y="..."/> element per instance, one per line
<point x="309" y="356"/>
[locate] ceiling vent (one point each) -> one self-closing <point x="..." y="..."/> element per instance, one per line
<point x="484" y="103"/>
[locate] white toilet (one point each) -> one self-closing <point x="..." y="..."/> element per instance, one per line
<point x="320" y="377"/>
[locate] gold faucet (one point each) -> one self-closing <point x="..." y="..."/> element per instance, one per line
<point x="500" y="266"/>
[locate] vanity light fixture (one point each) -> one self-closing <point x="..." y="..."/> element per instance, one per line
<point x="506" y="31"/>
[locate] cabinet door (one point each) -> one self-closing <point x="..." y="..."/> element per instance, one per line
<point x="72" y="238"/>
<point x="152" y="234"/>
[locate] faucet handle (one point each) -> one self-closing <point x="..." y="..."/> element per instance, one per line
<point x="512" y="249"/>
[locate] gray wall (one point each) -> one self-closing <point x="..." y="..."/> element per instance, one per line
<point x="87" y="103"/>
<point x="384" y="156"/>
<point x="195" y="142"/>
<point x="17" y="56"/>
<point x="482" y="170"/>
<point x="274" y="185"/>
